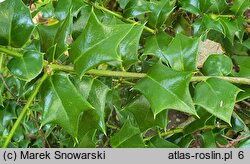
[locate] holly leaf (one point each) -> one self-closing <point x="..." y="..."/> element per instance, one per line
<point x="16" y="24"/>
<point x="244" y="95"/>
<point x="123" y="3"/>
<point x="217" y="65"/>
<point x="101" y="43"/>
<point x="81" y="21"/>
<point x="240" y="6"/>
<point x="186" y="141"/>
<point x="61" y="37"/>
<point x="245" y="143"/>
<point x="157" y="142"/>
<point x="87" y="129"/>
<point x="220" y="97"/>
<point x="62" y="103"/>
<point x="208" y="139"/>
<point x="182" y="53"/>
<point x="87" y="141"/>
<point x="28" y="66"/>
<point x="95" y="92"/>
<point x="243" y="62"/>
<point x="128" y="137"/>
<point x="157" y="45"/>
<point x="230" y="28"/>
<point x="198" y="123"/>
<point x="196" y="6"/>
<point x="136" y="8"/>
<point x="160" y="11"/>
<point x="207" y="23"/>
<point x="144" y="117"/>
<point x="47" y="35"/>
<point x="54" y="38"/>
<point x="162" y="81"/>
<point x="246" y="43"/>
<point x="218" y="6"/>
<point x="129" y="45"/>
<point x="62" y="8"/>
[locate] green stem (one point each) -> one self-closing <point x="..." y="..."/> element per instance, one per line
<point x="236" y="80"/>
<point x="24" y="110"/>
<point x="180" y="130"/>
<point x="65" y="68"/>
<point x="116" y="73"/>
<point x="120" y="16"/>
<point x="10" y="52"/>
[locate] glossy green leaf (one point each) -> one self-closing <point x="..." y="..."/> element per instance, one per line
<point x="238" y="124"/>
<point x="244" y="143"/>
<point x="160" y="11"/>
<point x="198" y="123"/>
<point x="207" y="23"/>
<point x="128" y="47"/>
<point x="244" y="115"/>
<point x="157" y="142"/>
<point x="62" y="103"/>
<point x="88" y="125"/>
<point x="128" y="137"/>
<point x="182" y="53"/>
<point x="54" y="39"/>
<point x="217" y="65"/>
<point x="243" y="62"/>
<point x="95" y="92"/>
<point x="196" y="6"/>
<point x="157" y="45"/>
<point x="220" y="97"/>
<point x="62" y="35"/>
<point x="245" y="94"/>
<point x="241" y="29"/>
<point x="81" y="21"/>
<point x="87" y="140"/>
<point x="16" y="24"/>
<point x="136" y="8"/>
<point x="230" y="28"/>
<point x="182" y="26"/>
<point x="47" y="10"/>
<point x="162" y="81"/>
<point x="208" y="139"/>
<point x="28" y="66"/>
<point x="240" y="6"/>
<point x="144" y="117"/>
<point x="246" y="43"/>
<point x="100" y="43"/>
<point x="123" y="3"/>
<point x="218" y="6"/>
<point x="185" y="141"/>
<point x="62" y="8"/>
<point x="47" y="35"/>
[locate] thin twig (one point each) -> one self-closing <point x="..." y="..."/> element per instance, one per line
<point x="58" y="67"/>
<point x="20" y="101"/>
<point x="7" y="87"/>
<point x="232" y="142"/>
<point x="24" y="110"/>
<point x="45" y="142"/>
